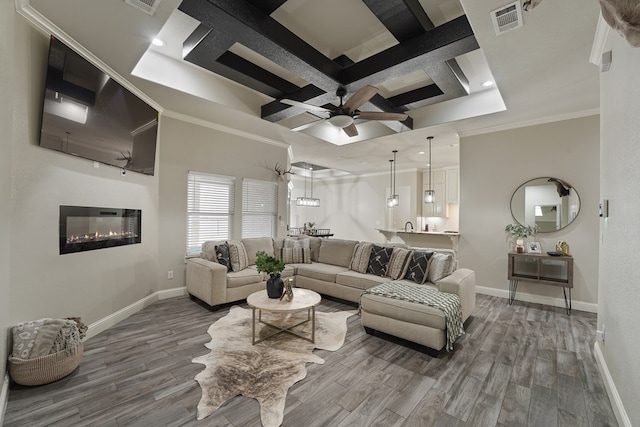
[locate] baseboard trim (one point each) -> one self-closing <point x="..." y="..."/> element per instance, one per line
<point x="537" y="299"/>
<point x="612" y="391"/>
<point x="4" y="398"/>
<point x="106" y="322"/>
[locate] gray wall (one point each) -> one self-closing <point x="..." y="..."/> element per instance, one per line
<point x="7" y="77"/>
<point x="493" y="165"/>
<point x="619" y="292"/>
<point x="186" y="147"/>
<point x="44" y="283"/>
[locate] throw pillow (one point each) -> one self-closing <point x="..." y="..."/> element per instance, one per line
<point x="222" y="255"/>
<point x="379" y="260"/>
<point x="361" y="255"/>
<point x="417" y="268"/>
<point x="440" y="266"/>
<point x="238" y="256"/>
<point x="296" y="255"/>
<point x="398" y="263"/>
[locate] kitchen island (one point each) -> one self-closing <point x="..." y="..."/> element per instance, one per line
<point x="423" y="239"/>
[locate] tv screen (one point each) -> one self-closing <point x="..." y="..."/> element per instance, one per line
<point x="88" y="114"/>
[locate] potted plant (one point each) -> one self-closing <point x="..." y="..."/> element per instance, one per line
<point x="520" y="232"/>
<point x="309" y="227"/>
<point x="273" y="266"/>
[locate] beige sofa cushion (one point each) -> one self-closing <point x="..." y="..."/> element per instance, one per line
<point x="337" y="251"/>
<point x="236" y="279"/>
<point x="325" y="272"/>
<point x="359" y="280"/>
<point x="253" y="245"/>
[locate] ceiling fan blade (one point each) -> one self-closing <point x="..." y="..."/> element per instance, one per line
<point x="381" y="115"/>
<point x="351" y="130"/>
<point x="305" y="106"/>
<point x="360" y="97"/>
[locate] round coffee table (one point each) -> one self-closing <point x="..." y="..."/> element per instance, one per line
<point x="303" y="299"/>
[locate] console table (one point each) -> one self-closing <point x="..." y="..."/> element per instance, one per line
<point x="541" y="268"/>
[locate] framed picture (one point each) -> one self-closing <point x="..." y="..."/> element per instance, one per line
<point x="534" y="248"/>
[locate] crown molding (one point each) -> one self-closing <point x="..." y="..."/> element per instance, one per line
<point x="599" y="41"/>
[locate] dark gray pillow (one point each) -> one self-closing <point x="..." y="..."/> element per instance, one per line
<point x="418" y="263"/>
<point x="222" y="255"/>
<point x="379" y="260"/>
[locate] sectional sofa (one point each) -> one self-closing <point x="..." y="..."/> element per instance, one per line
<point x="225" y="272"/>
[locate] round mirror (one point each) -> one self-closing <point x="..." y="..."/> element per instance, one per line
<point x="550" y="203"/>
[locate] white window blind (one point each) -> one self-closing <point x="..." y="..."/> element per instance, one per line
<point x="209" y="209"/>
<point x="259" y="208"/>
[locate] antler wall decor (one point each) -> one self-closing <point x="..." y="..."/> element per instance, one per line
<point x="281" y="171"/>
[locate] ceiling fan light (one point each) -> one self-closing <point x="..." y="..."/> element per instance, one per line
<point x="341" y="121"/>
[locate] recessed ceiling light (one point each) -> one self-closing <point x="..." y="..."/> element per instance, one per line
<point x="158" y="42"/>
<point x="488" y="83"/>
<point x="421" y="152"/>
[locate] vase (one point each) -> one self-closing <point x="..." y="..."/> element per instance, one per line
<point x="275" y="286"/>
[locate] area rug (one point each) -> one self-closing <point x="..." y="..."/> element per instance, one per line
<point x="264" y="371"/>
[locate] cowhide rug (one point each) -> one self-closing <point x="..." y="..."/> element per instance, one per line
<point x="264" y="371"/>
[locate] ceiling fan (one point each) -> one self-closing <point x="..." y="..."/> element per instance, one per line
<point x="343" y="115"/>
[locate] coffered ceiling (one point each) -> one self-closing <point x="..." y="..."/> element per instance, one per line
<point x="231" y="62"/>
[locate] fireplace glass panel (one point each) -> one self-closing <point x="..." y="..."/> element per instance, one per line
<point x="88" y="228"/>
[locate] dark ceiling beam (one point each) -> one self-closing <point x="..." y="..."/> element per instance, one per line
<point x="279" y="85"/>
<point x="440" y="44"/>
<point x="240" y="21"/>
<point x="415" y="95"/>
<point x="396" y="17"/>
<point x="215" y="46"/>
<point x="267" y="6"/>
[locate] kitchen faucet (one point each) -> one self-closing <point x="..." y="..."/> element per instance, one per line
<point x="405" y="225"/>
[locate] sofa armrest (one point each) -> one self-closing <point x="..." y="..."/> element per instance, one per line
<point x="207" y="280"/>
<point x="461" y="282"/>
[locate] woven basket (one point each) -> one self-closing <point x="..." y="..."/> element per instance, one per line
<point x="45" y="369"/>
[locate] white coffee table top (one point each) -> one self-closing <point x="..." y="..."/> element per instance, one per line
<point x="302" y="299"/>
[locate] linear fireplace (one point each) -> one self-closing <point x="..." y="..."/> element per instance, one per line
<point x="88" y="228"/>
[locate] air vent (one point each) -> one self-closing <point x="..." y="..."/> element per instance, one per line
<point x="148" y="6"/>
<point x="507" y="17"/>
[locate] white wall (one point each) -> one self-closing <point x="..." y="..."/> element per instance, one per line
<point x="184" y="147"/>
<point x="493" y="166"/>
<point x="619" y="291"/>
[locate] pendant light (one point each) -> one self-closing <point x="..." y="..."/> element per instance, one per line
<point x="429" y="195"/>
<point x="308" y="201"/>
<point x="394" y="199"/>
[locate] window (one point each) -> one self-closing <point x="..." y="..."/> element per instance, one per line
<point x="209" y="209"/>
<point x="259" y="208"/>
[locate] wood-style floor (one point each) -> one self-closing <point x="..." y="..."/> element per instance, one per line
<point x="520" y="365"/>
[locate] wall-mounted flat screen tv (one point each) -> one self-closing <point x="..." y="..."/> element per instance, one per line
<point x="88" y="114"/>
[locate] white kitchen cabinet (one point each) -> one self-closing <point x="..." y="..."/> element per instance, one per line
<point x="453" y="178"/>
<point x="438" y="184"/>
